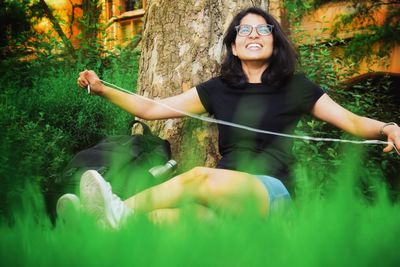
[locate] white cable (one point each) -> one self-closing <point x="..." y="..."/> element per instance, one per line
<point x="222" y="122"/>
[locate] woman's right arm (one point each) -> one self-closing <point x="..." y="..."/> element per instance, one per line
<point x="141" y="107"/>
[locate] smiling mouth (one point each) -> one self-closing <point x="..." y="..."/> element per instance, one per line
<point x="254" y="46"/>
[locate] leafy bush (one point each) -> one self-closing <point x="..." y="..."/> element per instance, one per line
<point x="372" y="98"/>
<point x="47" y="119"/>
<point x="33" y="152"/>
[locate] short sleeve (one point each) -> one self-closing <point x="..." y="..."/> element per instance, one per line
<point x="310" y="91"/>
<point x="206" y="92"/>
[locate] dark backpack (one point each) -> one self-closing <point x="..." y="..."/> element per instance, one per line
<point x="123" y="160"/>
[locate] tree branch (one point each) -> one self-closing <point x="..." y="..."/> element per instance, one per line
<point x="57" y="27"/>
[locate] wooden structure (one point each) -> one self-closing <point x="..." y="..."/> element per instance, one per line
<point x="124" y="20"/>
<point x="318" y="25"/>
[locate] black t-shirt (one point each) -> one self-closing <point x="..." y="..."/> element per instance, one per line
<point x="263" y="107"/>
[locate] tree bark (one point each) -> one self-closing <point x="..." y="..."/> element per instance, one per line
<point x="182" y="47"/>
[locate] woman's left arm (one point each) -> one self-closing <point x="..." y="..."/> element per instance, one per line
<point x="328" y="110"/>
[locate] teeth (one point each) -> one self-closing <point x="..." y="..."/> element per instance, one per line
<point x="254" y="46"/>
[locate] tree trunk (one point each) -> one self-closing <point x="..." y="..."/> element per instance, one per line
<point x="182" y="47"/>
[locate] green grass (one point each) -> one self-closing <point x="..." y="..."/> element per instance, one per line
<point x="339" y="227"/>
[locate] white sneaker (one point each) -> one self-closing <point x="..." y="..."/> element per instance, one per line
<point x="99" y="201"/>
<point x="68" y="208"/>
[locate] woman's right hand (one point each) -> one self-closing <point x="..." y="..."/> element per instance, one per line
<point x="89" y="77"/>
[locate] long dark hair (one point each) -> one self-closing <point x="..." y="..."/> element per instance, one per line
<point x="282" y="62"/>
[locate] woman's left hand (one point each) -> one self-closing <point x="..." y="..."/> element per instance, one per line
<point x="393" y="136"/>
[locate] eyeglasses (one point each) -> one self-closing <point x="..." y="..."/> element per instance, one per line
<point x="246" y="30"/>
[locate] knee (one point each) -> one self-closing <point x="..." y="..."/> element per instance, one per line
<point x="201" y="171"/>
<point x="197" y="175"/>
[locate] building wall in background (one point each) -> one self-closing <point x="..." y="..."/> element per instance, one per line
<point x="317" y="26"/>
<point x="124" y="20"/>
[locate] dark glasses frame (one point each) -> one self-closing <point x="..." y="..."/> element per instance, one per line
<point x="268" y="26"/>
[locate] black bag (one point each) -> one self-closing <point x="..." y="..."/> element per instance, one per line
<point x="123" y="160"/>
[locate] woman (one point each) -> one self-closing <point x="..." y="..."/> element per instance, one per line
<point x="257" y="88"/>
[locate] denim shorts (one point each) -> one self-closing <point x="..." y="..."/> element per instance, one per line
<point x="278" y="194"/>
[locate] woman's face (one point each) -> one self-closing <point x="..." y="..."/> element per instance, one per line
<point x="254" y="47"/>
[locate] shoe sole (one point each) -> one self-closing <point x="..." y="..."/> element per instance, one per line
<point x="67" y="202"/>
<point x="68" y="208"/>
<point x="92" y="194"/>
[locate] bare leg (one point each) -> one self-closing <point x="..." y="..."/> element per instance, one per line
<point x="226" y="190"/>
<point x="170" y="216"/>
